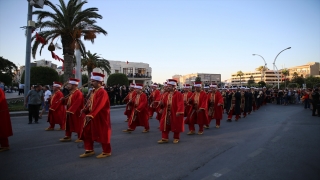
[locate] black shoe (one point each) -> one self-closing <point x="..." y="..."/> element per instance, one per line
<point x="36" y="122"/>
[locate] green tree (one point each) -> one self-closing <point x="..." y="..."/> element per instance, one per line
<point x="42" y="75"/>
<point x="295" y="75"/>
<point x="84" y="78"/>
<point x="6" y="78"/>
<point x="262" y="70"/>
<point x="69" y="23"/>
<point x="312" y="81"/>
<point x="299" y="80"/>
<point x="240" y="73"/>
<point x="262" y="83"/>
<point x="117" y="78"/>
<point x="91" y="61"/>
<point x="198" y="79"/>
<point x="7" y="67"/>
<point x="285" y="73"/>
<point x="251" y="81"/>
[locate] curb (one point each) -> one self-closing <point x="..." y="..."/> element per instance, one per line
<point x="26" y="113"/>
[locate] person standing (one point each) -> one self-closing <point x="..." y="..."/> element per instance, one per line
<point x="47" y="95"/>
<point x="33" y="100"/>
<point x="186" y="95"/>
<point x="198" y="113"/>
<point x="173" y="109"/>
<point x="5" y="127"/>
<point x="57" y="111"/>
<point x="215" y="106"/>
<point x="139" y="114"/>
<point x="154" y="100"/>
<point x="315" y="102"/>
<point x="128" y="100"/>
<point x="74" y="102"/>
<point x="97" y="126"/>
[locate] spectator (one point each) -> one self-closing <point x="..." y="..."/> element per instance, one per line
<point x="2" y="86"/>
<point x="306" y="99"/>
<point x="47" y="95"/>
<point x="36" y="97"/>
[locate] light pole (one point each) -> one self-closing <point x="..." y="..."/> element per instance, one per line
<point x="274" y="64"/>
<point x="264" y="68"/>
<point x="77" y="53"/>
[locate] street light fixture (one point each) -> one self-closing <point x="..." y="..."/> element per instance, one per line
<point x="265" y="66"/>
<point x="274" y="64"/>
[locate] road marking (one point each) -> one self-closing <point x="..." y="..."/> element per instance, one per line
<point x="44" y="146"/>
<point x="276" y="139"/>
<point x="257" y="152"/>
<point x="217" y="174"/>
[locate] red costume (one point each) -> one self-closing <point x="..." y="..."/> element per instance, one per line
<point x="5" y="127"/>
<point x="57" y="111"/>
<point x="198" y="113"/>
<point x="99" y="127"/>
<point x="154" y="101"/>
<point x="139" y="115"/>
<point x="129" y="106"/>
<point x="172" y="118"/>
<point x="186" y="97"/>
<point x="215" y="107"/>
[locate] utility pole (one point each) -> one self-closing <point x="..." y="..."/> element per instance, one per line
<point x="77" y="52"/>
<point x="28" y="51"/>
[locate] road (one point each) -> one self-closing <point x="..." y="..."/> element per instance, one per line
<point x="276" y="142"/>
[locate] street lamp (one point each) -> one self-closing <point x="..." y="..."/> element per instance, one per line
<point x="265" y="66"/>
<point x="274" y="64"/>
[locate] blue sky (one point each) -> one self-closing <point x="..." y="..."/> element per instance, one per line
<point x="188" y="36"/>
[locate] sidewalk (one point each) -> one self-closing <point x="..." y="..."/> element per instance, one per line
<point x="14" y="95"/>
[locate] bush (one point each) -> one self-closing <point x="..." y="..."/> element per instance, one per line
<point x="118" y="78"/>
<point x="41" y="75"/>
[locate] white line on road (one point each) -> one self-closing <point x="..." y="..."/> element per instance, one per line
<point x="217" y="174"/>
<point x="44" y="146"/>
<point x="276" y="139"/>
<point x="256" y="152"/>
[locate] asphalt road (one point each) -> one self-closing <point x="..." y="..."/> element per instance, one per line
<point x="276" y="142"/>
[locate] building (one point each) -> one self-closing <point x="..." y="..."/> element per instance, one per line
<point x="309" y="69"/>
<point x="270" y="77"/>
<point x="206" y="78"/>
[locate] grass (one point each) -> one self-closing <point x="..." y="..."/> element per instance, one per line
<point x="16" y="106"/>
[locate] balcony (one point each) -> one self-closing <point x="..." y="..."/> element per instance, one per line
<point x="138" y="76"/>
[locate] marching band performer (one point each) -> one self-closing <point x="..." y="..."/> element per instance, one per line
<point x="57" y="111"/>
<point x="198" y="113"/>
<point x="215" y="106"/>
<point x="172" y="109"/>
<point x="243" y="102"/>
<point x="5" y="128"/>
<point x="128" y="100"/>
<point x="74" y="102"/>
<point x="97" y="125"/>
<point x="235" y="100"/>
<point x="139" y="114"/>
<point x="186" y="95"/>
<point x="154" y="100"/>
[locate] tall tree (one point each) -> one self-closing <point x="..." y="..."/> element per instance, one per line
<point x="7" y="67"/>
<point x="240" y="73"/>
<point x="295" y="75"/>
<point x="91" y="61"/>
<point x="285" y="73"/>
<point x="69" y="23"/>
<point x="262" y="70"/>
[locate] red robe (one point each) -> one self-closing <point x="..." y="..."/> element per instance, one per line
<point x="5" y="122"/>
<point x="57" y="111"/>
<point x="74" y="121"/>
<point x="198" y="101"/>
<point x="213" y="101"/>
<point x="177" y="106"/>
<point x="159" y="115"/>
<point x="141" y="106"/>
<point x="128" y="100"/>
<point x="187" y="106"/>
<point x="99" y="111"/>
<point x="155" y="99"/>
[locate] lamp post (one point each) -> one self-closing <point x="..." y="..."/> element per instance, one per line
<point x="77" y="54"/>
<point x="274" y="64"/>
<point x="264" y="67"/>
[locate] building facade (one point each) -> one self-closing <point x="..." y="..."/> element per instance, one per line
<point x="206" y="78"/>
<point x="309" y="69"/>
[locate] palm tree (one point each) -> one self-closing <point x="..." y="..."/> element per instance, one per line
<point x="69" y="23"/>
<point x="285" y="73"/>
<point x="91" y="61"/>
<point x="240" y="73"/>
<point x="262" y="70"/>
<point x="295" y="75"/>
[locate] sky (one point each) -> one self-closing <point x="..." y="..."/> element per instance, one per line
<point x="187" y="36"/>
